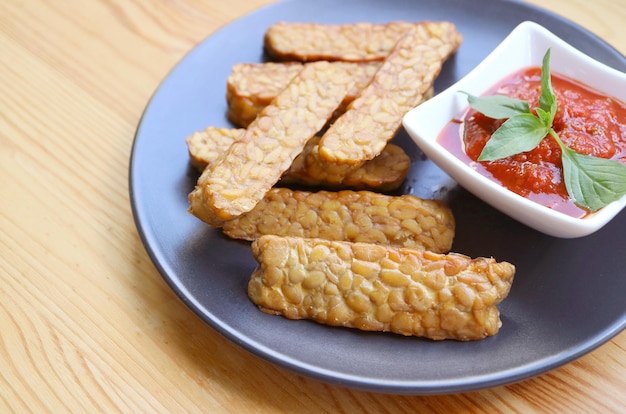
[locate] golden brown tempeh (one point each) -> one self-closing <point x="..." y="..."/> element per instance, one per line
<point x="355" y="42"/>
<point x="239" y="179"/>
<point x="252" y="86"/>
<point x="399" y="85"/>
<point x="358" y="216"/>
<point x="384" y="173"/>
<point x="206" y="146"/>
<point x="380" y="288"/>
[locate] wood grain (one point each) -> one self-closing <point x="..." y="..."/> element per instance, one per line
<point x="87" y="323"/>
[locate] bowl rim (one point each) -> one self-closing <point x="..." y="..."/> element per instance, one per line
<point x="531" y="36"/>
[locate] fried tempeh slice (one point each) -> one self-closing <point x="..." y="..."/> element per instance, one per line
<point x="239" y="179"/>
<point x="355" y="42"/>
<point x="206" y="146"/>
<point x="358" y="216"/>
<point x="384" y="173"/>
<point x="380" y="288"/>
<point x="252" y="86"/>
<point x="399" y="85"/>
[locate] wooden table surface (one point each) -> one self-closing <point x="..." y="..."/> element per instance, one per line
<point x="87" y="324"/>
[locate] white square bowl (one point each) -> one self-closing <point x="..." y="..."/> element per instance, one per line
<point x="525" y="46"/>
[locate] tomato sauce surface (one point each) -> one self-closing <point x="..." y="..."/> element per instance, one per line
<point x="587" y="121"/>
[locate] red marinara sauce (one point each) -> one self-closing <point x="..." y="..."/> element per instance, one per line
<point x="587" y="121"/>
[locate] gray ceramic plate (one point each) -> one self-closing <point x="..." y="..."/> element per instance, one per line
<point x="567" y="297"/>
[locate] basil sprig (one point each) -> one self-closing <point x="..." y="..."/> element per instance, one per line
<point x="591" y="182"/>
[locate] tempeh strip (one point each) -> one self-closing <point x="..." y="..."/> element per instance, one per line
<point x="384" y="173"/>
<point x="239" y="179"/>
<point x="380" y="288"/>
<point x="399" y="85"/>
<point x="358" y="216"/>
<point x="252" y="86"/>
<point x="206" y="146"/>
<point x="354" y="42"/>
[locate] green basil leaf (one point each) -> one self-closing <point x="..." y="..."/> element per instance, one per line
<point x="547" y="99"/>
<point x="592" y="182"/>
<point x="520" y="133"/>
<point x="498" y="106"/>
<point x="545" y="117"/>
